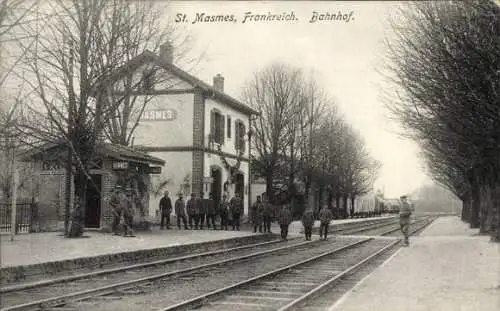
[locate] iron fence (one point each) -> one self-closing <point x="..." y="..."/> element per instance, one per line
<point x="24" y="215"/>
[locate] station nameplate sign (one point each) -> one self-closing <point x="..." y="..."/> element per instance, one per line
<point x="154" y="170"/>
<point x="120" y="165"/>
<point x="159" y="115"/>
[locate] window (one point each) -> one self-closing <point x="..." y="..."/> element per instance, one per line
<point x="239" y="135"/>
<point x="228" y="127"/>
<point x="148" y="80"/>
<point x="217" y="126"/>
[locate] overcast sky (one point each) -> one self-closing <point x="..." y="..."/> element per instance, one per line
<point x="343" y="54"/>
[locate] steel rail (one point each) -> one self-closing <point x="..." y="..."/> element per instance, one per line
<point x="104" y="290"/>
<point x="425" y="222"/>
<point x="20" y="287"/>
<point x="202" y="298"/>
<point x="325" y="284"/>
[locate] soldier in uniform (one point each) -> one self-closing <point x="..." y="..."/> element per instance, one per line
<point x="257" y="214"/>
<point x="308" y="222"/>
<point x="165" y="210"/>
<point x="224" y="212"/>
<point x="210" y="210"/>
<point x="128" y="213"/>
<point x="405" y="212"/>
<point x="116" y="209"/>
<point x="267" y="215"/>
<point x="284" y="219"/>
<point x="191" y="210"/>
<point x="236" y="209"/>
<point x="180" y="212"/>
<point x="325" y="216"/>
<point x="202" y="210"/>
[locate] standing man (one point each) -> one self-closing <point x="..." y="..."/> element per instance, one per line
<point x="128" y="213"/>
<point x="116" y="209"/>
<point x="210" y="210"/>
<point x="180" y="212"/>
<point x="308" y="222"/>
<point x="224" y="212"/>
<point x="284" y="219"/>
<point x="202" y="214"/>
<point x="236" y="209"/>
<point x="257" y="214"/>
<point x="267" y="215"/>
<point x="404" y="219"/>
<point x="165" y="210"/>
<point x="325" y="216"/>
<point x="191" y="210"/>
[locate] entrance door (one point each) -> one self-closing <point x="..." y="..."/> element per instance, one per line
<point x="93" y="208"/>
<point x="216" y="187"/>
<point x="239" y="185"/>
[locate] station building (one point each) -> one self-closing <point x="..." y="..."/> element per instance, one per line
<point x="201" y="133"/>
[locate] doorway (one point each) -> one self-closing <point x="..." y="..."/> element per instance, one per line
<point x="93" y="207"/>
<point x="216" y="187"/>
<point x="239" y="185"/>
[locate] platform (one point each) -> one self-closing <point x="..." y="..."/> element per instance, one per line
<point x="448" y="268"/>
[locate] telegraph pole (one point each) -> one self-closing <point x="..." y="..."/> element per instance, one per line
<point x="14" y="192"/>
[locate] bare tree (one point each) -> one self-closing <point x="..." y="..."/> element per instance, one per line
<point x="71" y="65"/>
<point x="445" y="58"/>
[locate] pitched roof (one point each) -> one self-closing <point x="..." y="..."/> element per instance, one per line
<point x="114" y="151"/>
<point x="148" y="56"/>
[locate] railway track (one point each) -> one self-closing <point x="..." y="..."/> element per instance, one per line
<point x="143" y="276"/>
<point x="117" y="283"/>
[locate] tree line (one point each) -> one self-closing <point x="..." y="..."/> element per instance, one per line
<point x="300" y="137"/>
<point x="445" y="57"/>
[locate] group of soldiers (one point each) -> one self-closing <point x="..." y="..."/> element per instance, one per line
<point x="122" y="203"/>
<point x="263" y="213"/>
<point x="197" y="211"/>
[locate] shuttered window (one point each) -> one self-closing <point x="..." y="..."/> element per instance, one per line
<point x="239" y="136"/>
<point x="217" y="127"/>
<point x="228" y="127"/>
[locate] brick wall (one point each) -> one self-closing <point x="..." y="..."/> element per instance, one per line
<point x="198" y="141"/>
<point x="108" y="183"/>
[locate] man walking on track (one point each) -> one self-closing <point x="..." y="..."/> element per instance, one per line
<point x="284" y="219"/>
<point x="236" y="209"/>
<point x="180" y="212"/>
<point x="404" y="219"/>
<point x="165" y="210"/>
<point x="325" y="216"/>
<point x="308" y="222"/>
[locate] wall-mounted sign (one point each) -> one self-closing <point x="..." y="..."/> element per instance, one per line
<point x="154" y="170"/>
<point x="51" y="165"/>
<point x="159" y="115"/>
<point x="120" y="165"/>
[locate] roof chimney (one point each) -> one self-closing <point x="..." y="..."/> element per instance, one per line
<point x="167" y="52"/>
<point x="219" y="83"/>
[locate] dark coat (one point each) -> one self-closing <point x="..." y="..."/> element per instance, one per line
<point x="223" y="209"/>
<point x="191" y="207"/>
<point x="180" y="207"/>
<point x="257" y="212"/>
<point x="209" y="206"/>
<point x="308" y="218"/>
<point x="325" y="215"/>
<point x="165" y="206"/>
<point x="284" y="216"/>
<point x="236" y="206"/>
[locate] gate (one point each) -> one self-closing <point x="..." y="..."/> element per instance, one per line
<point x="24" y="215"/>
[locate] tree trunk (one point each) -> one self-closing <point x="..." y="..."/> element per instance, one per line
<point x="475" y="207"/>
<point x="269" y="187"/>
<point x="495" y="215"/>
<point x="78" y="216"/>
<point x="344" y="206"/>
<point x="466" y="208"/>
<point x="485" y="204"/>
<point x="337" y="205"/>
<point x="352" y="205"/>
